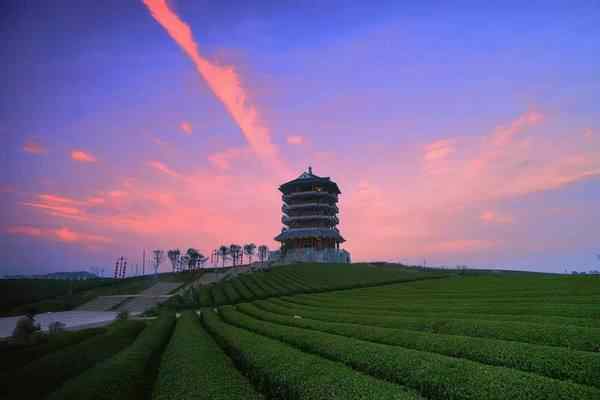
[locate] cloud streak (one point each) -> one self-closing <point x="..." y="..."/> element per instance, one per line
<point x="63" y="234"/>
<point x="223" y="81"/>
<point x="164" y="168"/>
<point x="186" y="127"/>
<point x="82" y="156"/>
<point x="32" y="147"/>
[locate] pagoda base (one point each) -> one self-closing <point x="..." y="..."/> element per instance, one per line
<point x="314" y="255"/>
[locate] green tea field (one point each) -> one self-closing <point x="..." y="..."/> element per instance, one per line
<point x="325" y="332"/>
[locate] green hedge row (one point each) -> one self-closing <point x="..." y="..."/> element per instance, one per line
<point x="218" y="295"/>
<point x="204" y="297"/>
<point x="292" y="279"/>
<point x="14" y="359"/>
<point x="258" y="278"/>
<point x="573" y="337"/>
<point x="256" y="290"/>
<point x="242" y="290"/>
<point x="540" y="319"/>
<point x="193" y="366"/>
<point x="47" y="373"/>
<point x="282" y="372"/>
<point x="289" y="286"/>
<point x="127" y="375"/>
<point x="433" y="375"/>
<point x="337" y="302"/>
<point x="231" y="293"/>
<point x="537" y="307"/>
<point x="555" y="362"/>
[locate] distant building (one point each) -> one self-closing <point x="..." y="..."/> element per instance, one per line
<point x="310" y="218"/>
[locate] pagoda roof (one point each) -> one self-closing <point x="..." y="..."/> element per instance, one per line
<point x="300" y="233"/>
<point x="309" y="177"/>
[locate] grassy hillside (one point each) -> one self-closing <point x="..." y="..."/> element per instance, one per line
<point x="353" y="332"/>
<point x="302" y="278"/>
<point x="45" y="295"/>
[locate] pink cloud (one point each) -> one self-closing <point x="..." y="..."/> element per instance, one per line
<point x="186" y="127"/>
<point x="63" y="234"/>
<point x="295" y="140"/>
<point x="223" y="160"/>
<point x="224" y="82"/>
<point x="34" y="148"/>
<point x="505" y="134"/>
<point x="587" y="133"/>
<point x="82" y="156"/>
<point x="439" y="149"/>
<point x="24" y="230"/>
<point x="495" y="218"/>
<point x="162" y="167"/>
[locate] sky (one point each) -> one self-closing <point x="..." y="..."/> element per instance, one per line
<point x="459" y="134"/>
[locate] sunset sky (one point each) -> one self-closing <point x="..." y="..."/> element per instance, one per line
<point x="458" y="134"/>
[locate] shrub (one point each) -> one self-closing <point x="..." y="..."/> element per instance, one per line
<point x="14" y="359"/>
<point x="56" y="327"/>
<point x="433" y="375"/>
<point x="204" y="297"/>
<point x="231" y="293"/>
<point x="24" y="330"/>
<point x="573" y="337"/>
<point x="123" y="315"/>
<point x="193" y="366"/>
<point x="51" y="370"/>
<point x="218" y="295"/>
<point x="282" y="372"/>
<point x="127" y="375"/>
<point x="242" y="290"/>
<point x="555" y="362"/>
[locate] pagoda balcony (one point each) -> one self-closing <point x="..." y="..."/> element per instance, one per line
<point x="309" y="194"/>
<point x="328" y="219"/>
<point x="293" y="207"/>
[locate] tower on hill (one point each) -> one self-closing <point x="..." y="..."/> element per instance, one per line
<point x="310" y="218"/>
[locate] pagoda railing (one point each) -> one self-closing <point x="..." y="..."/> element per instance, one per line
<point x="309" y="193"/>
<point x="332" y="218"/>
<point x="287" y="207"/>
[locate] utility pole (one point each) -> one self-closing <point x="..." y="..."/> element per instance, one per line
<point x="144" y="262"/>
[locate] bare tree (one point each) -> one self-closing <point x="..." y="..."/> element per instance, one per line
<point x="174" y="258"/>
<point x="263" y="252"/>
<point x="202" y="260"/>
<point x="184" y="262"/>
<point x="194" y="256"/>
<point x="157" y="258"/>
<point x="235" y="250"/>
<point x="223" y="253"/>
<point x="249" y="249"/>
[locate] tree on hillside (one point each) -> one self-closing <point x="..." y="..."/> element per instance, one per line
<point x="249" y="250"/>
<point x="194" y="256"/>
<point x="263" y="252"/>
<point x="223" y="253"/>
<point x="174" y="257"/>
<point x="184" y="262"/>
<point x="157" y="258"/>
<point x="235" y="251"/>
<point x="202" y="260"/>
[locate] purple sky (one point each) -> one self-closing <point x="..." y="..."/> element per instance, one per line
<point x="459" y="134"/>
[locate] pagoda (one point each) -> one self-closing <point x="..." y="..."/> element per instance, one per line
<point x="310" y="218"/>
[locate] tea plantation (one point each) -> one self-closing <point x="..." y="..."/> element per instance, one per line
<point x="337" y="332"/>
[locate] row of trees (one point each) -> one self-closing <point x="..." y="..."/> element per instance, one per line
<point x="235" y="253"/>
<point x="192" y="259"/>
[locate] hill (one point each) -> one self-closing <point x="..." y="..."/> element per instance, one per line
<point x="49" y="295"/>
<point x="349" y="332"/>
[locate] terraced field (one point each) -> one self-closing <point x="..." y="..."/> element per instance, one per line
<point x="305" y="278"/>
<point x="479" y="336"/>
